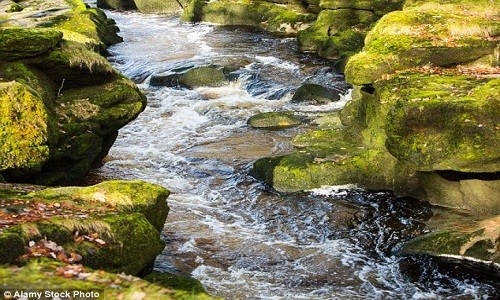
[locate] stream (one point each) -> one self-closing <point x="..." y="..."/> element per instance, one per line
<point x="234" y="234"/>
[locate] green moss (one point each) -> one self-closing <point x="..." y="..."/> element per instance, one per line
<point x="23" y="118"/>
<point x="134" y="243"/>
<point x="15" y="7"/>
<point x="176" y="282"/>
<point x="43" y="275"/>
<point x="161" y="6"/>
<point x="301" y="171"/>
<point x="193" y="12"/>
<point x="18" y="42"/>
<point x="444" y="122"/>
<point x="265" y="15"/>
<point x="379" y="7"/>
<point x="11" y="247"/>
<point x="133" y="196"/>
<point x="406" y="39"/>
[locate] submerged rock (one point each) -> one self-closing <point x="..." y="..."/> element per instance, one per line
<point x="274" y="120"/>
<point x="204" y="76"/>
<point x="315" y="93"/>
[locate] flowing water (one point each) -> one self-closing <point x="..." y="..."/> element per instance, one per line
<point x="242" y="240"/>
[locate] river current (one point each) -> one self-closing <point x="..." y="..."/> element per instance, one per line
<point x="234" y="234"/>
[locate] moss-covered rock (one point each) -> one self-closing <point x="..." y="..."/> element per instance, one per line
<point x="117" y="4"/>
<point x="479" y="241"/>
<point x="274" y="120"/>
<point x="336" y="33"/>
<point x="63" y="102"/>
<point x="444" y="122"/>
<point x="315" y="93"/>
<point x="208" y="76"/>
<point x="412" y="38"/>
<point x="24" y="134"/>
<point x="161" y="6"/>
<point x="44" y="275"/>
<point x="18" y="43"/>
<point x="379" y="7"/>
<point x="272" y="17"/>
<point x="114" y="225"/>
<point x="176" y="282"/>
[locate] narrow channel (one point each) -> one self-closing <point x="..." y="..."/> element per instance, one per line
<point x="238" y="237"/>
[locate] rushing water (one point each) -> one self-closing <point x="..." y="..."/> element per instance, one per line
<point x="240" y="239"/>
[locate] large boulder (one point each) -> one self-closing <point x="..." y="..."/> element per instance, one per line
<point x="114" y="225"/>
<point x="82" y="282"/>
<point x="471" y="242"/>
<point x="274" y="120"/>
<point x="444" y="122"/>
<point x="416" y="37"/>
<point x="18" y="43"/>
<point x="62" y="101"/>
<point x="277" y="18"/>
<point x="192" y="77"/>
<point x="341" y="26"/>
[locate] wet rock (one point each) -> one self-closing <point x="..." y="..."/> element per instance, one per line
<point x="205" y="76"/>
<point x="114" y="225"/>
<point x="326" y="157"/>
<point x="478" y="241"/>
<point x="176" y="282"/>
<point x="274" y="120"/>
<point x="315" y="93"/>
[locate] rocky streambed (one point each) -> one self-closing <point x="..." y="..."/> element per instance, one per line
<point x="229" y="105"/>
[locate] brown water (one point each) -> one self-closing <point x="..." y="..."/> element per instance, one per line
<point x="242" y="240"/>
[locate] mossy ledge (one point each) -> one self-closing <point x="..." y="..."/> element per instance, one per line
<point x="113" y="226"/>
<point x="62" y="103"/>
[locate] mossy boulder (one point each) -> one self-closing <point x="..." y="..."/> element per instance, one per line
<point x="161" y="6"/>
<point x="444" y="122"/>
<point x="272" y="17"/>
<point x="74" y="65"/>
<point x="315" y="93"/>
<point x="336" y="33"/>
<point x="45" y="275"/>
<point x="18" y="42"/>
<point x="476" y="241"/>
<point x="414" y="38"/>
<point x="274" y="120"/>
<point x="176" y="282"/>
<point x="117" y="4"/>
<point x="113" y="226"/>
<point x="204" y="76"/>
<point x="24" y="123"/>
<point x="326" y="157"/>
<point x="379" y="7"/>
<point x="62" y="101"/>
